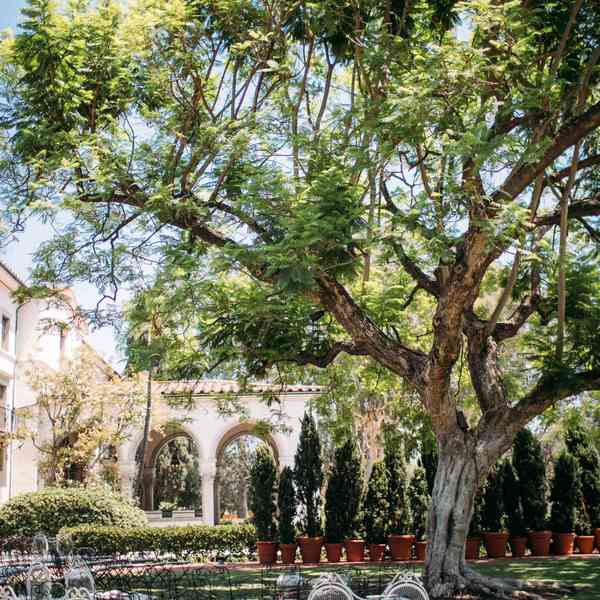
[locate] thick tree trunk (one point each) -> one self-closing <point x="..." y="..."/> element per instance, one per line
<point x="453" y="496"/>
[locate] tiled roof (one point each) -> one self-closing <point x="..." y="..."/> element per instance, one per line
<point x="229" y="386"/>
<point x="4" y="266"/>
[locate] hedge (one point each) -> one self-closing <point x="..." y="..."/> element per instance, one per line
<point x="236" y="541"/>
<point x="51" y="509"/>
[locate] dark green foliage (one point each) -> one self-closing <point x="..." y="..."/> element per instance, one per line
<point x="565" y="494"/>
<point x="263" y="476"/>
<point x="512" y="501"/>
<point x="399" y="508"/>
<point x="350" y="468"/>
<point x="419" y="500"/>
<point x="376" y="509"/>
<point x="429" y="455"/>
<point x="337" y="527"/>
<point x="206" y="542"/>
<point x="51" y="509"/>
<point x="493" y="501"/>
<point x="308" y="475"/>
<point x="177" y="477"/>
<point x="581" y="445"/>
<point x="286" y="505"/>
<point x="476" y="524"/>
<point x="528" y="462"/>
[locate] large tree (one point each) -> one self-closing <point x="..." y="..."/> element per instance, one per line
<point x="340" y="161"/>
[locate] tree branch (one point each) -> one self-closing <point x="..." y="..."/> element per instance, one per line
<point x="323" y="360"/>
<point x="577" y="210"/>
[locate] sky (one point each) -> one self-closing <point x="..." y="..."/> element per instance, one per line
<point x="18" y="254"/>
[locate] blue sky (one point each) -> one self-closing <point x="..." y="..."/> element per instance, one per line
<point x="18" y="254"/>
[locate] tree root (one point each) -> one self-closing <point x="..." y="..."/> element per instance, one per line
<point x="469" y="584"/>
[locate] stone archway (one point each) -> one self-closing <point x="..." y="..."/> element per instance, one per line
<point x="157" y="440"/>
<point x="241" y="430"/>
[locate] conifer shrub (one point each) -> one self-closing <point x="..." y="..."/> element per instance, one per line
<point x="286" y="504"/>
<point x="476" y="524"/>
<point x="419" y="500"/>
<point x="492" y="517"/>
<point x="399" y="518"/>
<point x="263" y="476"/>
<point x="565" y="494"/>
<point x="376" y="507"/>
<point x="429" y="455"/>
<point x="528" y="462"/>
<point x="308" y="476"/>
<point x="581" y="445"/>
<point x="512" y="501"/>
<point x="336" y="501"/>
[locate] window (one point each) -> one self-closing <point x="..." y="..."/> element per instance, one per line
<point x="5" y="332"/>
<point x="3" y="411"/>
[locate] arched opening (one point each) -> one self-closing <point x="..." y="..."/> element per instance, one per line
<point x="235" y="455"/>
<point x="171" y="471"/>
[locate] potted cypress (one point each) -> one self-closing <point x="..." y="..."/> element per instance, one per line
<point x="566" y="497"/>
<point x="581" y="445"/>
<point x="583" y="528"/>
<point x="286" y="504"/>
<point x="376" y="511"/>
<point x="473" y="542"/>
<point x="351" y="473"/>
<point x="400" y="537"/>
<point x="419" y="500"/>
<point x="528" y="462"/>
<point x="308" y="476"/>
<point x="494" y="536"/>
<point x="335" y="506"/>
<point x="514" y="511"/>
<point x="263" y="476"/>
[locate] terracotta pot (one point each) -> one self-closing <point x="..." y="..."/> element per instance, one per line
<point x="518" y="546"/>
<point x="597" y="535"/>
<point x="539" y="542"/>
<point x="267" y="552"/>
<point x="585" y="543"/>
<point x="334" y="552"/>
<point x="310" y="549"/>
<point x="472" y="548"/>
<point x="563" y="543"/>
<point x="421" y="548"/>
<point x="495" y="544"/>
<point x="401" y="546"/>
<point x="288" y="553"/>
<point x="355" y="550"/>
<point x="376" y="552"/>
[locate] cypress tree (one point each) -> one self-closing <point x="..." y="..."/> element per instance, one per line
<point x="493" y="502"/>
<point x="419" y="501"/>
<point x="263" y="476"/>
<point x="308" y="475"/>
<point x="528" y="462"/>
<point x="565" y="494"/>
<point x="286" y="504"/>
<point x="376" y="508"/>
<point x="512" y="501"/>
<point x="399" y="517"/>
<point x="580" y="444"/>
<point x="475" y="527"/>
<point x="429" y="455"/>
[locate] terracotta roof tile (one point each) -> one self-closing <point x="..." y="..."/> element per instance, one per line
<point x="228" y="386"/>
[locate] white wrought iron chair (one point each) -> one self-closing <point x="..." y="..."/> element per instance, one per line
<point x="39" y="582"/>
<point x="405" y="586"/>
<point x="79" y="579"/>
<point x="331" y="590"/>
<point x="7" y="593"/>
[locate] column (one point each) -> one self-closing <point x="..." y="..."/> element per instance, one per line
<point x="209" y="472"/>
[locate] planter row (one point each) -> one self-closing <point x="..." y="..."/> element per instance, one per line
<point x="541" y="543"/>
<point x="401" y="549"/>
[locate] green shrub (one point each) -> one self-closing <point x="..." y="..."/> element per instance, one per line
<point x="475" y="526"/>
<point x="581" y="445"/>
<point x="493" y="502"/>
<point x="51" y="509"/>
<point x="205" y="541"/>
<point x="263" y="475"/>
<point x="528" y="462"/>
<point x="565" y="494"/>
<point x="376" y="510"/>
<point x="512" y="501"/>
<point x="429" y="454"/>
<point x="308" y="475"/>
<point x="286" y="503"/>
<point x="335" y="500"/>
<point x="399" y="508"/>
<point x="419" y="500"/>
